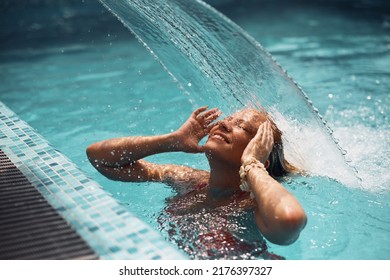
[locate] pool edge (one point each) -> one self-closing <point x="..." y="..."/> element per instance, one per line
<point x="109" y="228"/>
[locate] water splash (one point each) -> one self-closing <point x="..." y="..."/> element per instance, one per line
<point x="217" y="63"/>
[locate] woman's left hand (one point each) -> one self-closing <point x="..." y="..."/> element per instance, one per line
<point x="261" y="145"/>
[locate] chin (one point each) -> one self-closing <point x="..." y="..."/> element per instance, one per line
<point x="214" y="151"/>
<point x="212" y="147"/>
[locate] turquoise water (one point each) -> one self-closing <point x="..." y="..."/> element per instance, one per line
<point x="77" y="92"/>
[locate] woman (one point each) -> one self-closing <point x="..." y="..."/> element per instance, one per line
<point x="244" y="152"/>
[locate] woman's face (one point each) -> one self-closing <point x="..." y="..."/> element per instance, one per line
<point x="229" y="137"/>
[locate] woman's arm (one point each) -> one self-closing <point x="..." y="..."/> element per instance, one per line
<point x="121" y="158"/>
<point x="123" y="151"/>
<point x="278" y="213"/>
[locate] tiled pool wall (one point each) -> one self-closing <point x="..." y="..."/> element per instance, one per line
<point x="108" y="227"/>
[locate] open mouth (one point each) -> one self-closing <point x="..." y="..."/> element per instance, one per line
<point x="220" y="137"/>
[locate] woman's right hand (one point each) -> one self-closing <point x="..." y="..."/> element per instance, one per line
<point x="197" y="126"/>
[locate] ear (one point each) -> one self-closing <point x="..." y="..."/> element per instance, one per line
<point x="267" y="163"/>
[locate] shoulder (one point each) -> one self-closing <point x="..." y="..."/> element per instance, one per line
<point x="183" y="178"/>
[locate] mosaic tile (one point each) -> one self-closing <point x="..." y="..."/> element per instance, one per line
<point x="108" y="227"/>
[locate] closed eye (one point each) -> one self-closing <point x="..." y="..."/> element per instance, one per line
<point x="243" y="126"/>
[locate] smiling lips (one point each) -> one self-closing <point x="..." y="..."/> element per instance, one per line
<point x="220" y="136"/>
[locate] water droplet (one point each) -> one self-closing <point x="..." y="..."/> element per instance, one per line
<point x="368" y="97"/>
<point x="330" y="95"/>
<point x="189" y="84"/>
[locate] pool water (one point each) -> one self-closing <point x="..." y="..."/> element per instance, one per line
<point x="85" y="88"/>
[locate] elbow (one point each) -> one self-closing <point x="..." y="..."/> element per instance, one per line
<point x="290" y="225"/>
<point x="92" y="155"/>
<point x="293" y="224"/>
<point x="90" y="151"/>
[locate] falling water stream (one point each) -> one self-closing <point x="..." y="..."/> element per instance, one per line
<point x="217" y="63"/>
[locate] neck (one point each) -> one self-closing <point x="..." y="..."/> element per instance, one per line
<point x="224" y="179"/>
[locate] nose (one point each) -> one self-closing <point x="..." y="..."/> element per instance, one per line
<point x="225" y="125"/>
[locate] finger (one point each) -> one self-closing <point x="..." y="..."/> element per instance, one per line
<point x="268" y="138"/>
<point x="262" y="136"/>
<point x="212" y="116"/>
<point x="208" y="128"/>
<point x="264" y="130"/>
<point x="260" y="131"/>
<point x="199" y="110"/>
<point x="269" y="130"/>
<point x="209" y="114"/>
<point x="201" y="149"/>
